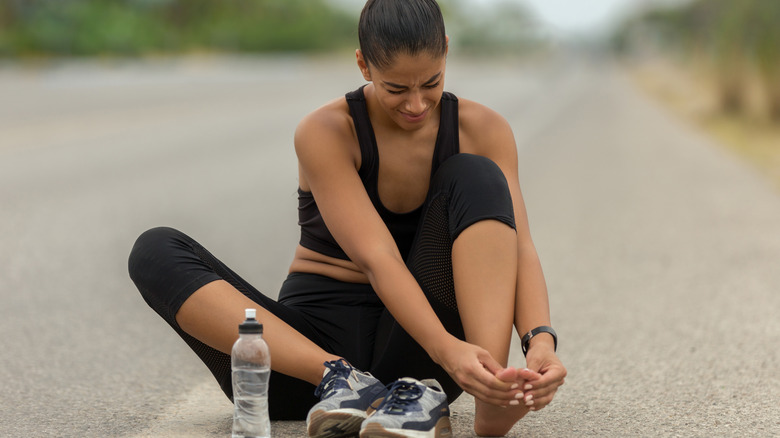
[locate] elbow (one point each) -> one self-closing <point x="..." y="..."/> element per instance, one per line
<point x="372" y="261"/>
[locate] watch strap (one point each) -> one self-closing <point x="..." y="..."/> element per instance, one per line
<point x="541" y="329"/>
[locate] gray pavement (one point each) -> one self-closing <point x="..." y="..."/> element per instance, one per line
<point x="660" y="248"/>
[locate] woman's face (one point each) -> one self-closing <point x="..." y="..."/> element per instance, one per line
<point x="409" y="89"/>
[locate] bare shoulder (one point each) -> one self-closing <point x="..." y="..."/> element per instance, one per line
<point x="326" y="144"/>
<point x="328" y="123"/>
<point x="482" y="129"/>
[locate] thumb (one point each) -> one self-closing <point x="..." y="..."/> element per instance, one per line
<point x="489" y="363"/>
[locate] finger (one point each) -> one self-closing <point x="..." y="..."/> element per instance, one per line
<point x="492" y="381"/>
<point x="552" y="377"/>
<point x="490" y="389"/>
<point x="542" y="395"/>
<point x="529" y="374"/>
<point x="538" y="399"/>
<point x="511" y="375"/>
<point x="544" y="384"/>
<point x="497" y="398"/>
<point x="536" y="404"/>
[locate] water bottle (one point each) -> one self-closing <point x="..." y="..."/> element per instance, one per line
<point x="251" y="365"/>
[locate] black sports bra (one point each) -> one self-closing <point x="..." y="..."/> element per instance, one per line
<point x="403" y="226"/>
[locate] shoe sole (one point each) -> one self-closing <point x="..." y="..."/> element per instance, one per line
<point x="443" y="429"/>
<point x="335" y="424"/>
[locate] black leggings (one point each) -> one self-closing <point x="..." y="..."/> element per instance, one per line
<point x="345" y="319"/>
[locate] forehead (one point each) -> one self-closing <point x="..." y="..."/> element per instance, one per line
<point x="409" y="69"/>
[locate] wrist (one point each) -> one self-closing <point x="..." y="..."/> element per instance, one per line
<point x="542" y="342"/>
<point x="542" y="336"/>
<point x="439" y="349"/>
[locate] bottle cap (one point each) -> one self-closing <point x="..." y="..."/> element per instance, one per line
<point x="250" y="325"/>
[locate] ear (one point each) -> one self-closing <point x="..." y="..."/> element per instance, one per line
<point x="446" y="44"/>
<point x="363" y="65"/>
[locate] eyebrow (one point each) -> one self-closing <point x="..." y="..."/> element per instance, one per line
<point x="433" y="78"/>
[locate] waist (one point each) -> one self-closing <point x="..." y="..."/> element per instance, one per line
<point x="304" y="289"/>
<point x="311" y="262"/>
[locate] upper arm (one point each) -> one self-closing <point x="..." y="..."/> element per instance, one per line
<point x="325" y="146"/>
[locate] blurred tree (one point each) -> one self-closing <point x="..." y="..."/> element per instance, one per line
<point x="736" y="38"/>
<point x="131" y="27"/>
<point x="504" y="27"/>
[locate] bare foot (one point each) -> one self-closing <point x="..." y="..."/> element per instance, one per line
<point x="492" y="420"/>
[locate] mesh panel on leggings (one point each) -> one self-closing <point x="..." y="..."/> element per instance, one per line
<point x="430" y="260"/>
<point x="216" y="361"/>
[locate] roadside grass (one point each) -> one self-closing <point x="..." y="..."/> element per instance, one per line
<point x="750" y="135"/>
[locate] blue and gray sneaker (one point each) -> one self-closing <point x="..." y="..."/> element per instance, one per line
<point x="345" y="394"/>
<point x="411" y="408"/>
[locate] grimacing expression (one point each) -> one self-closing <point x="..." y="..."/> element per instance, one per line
<point x="410" y="88"/>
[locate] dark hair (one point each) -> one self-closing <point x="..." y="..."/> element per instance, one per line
<point x="389" y="27"/>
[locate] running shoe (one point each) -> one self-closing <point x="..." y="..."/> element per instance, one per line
<point x="345" y="394"/>
<point x="411" y="408"/>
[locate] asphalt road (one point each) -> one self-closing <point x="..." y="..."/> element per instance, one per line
<point x="660" y="248"/>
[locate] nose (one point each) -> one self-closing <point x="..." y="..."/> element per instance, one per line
<point x="415" y="103"/>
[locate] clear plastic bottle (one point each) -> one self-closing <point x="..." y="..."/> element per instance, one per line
<point x="251" y="365"/>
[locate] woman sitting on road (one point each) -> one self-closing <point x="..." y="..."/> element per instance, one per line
<point x="415" y="259"/>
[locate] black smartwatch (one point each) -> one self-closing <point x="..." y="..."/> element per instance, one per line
<point x="542" y="329"/>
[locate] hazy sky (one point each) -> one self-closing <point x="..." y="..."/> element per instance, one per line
<point x="577" y="15"/>
<point x="564" y="16"/>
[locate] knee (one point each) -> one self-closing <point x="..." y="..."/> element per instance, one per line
<point x="474" y="170"/>
<point x="148" y="249"/>
<point x="476" y="189"/>
<point x="473" y="178"/>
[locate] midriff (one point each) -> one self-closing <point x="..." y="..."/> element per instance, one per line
<point x="312" y="262"/>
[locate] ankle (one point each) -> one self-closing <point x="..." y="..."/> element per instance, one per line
<point x="317" y="372"/>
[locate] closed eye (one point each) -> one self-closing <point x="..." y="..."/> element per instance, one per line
<point x="427" y="87"/>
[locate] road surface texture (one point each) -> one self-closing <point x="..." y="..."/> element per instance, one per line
<point x="661" y="250"/>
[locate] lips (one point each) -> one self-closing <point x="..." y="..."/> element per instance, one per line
<point x="411" y="118"/>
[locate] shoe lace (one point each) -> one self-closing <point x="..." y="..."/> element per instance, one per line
<point x="335" y="379"/>
<point x="400" y="396"/>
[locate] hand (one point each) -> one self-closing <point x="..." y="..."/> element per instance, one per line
<point x="542" y="362"/>
<point x="475" y="370"/>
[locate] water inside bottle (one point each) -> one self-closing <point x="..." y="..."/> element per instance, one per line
<point x="250" y="396"/>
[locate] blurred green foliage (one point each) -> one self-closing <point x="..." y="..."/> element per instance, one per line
<point x="136" y="27"/>
<point x="132" y="27"/>
<point x="733" y="38"/>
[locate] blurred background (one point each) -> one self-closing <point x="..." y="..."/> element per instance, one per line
<point x="648" y="136"/>
<point x="715" y="59"/>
